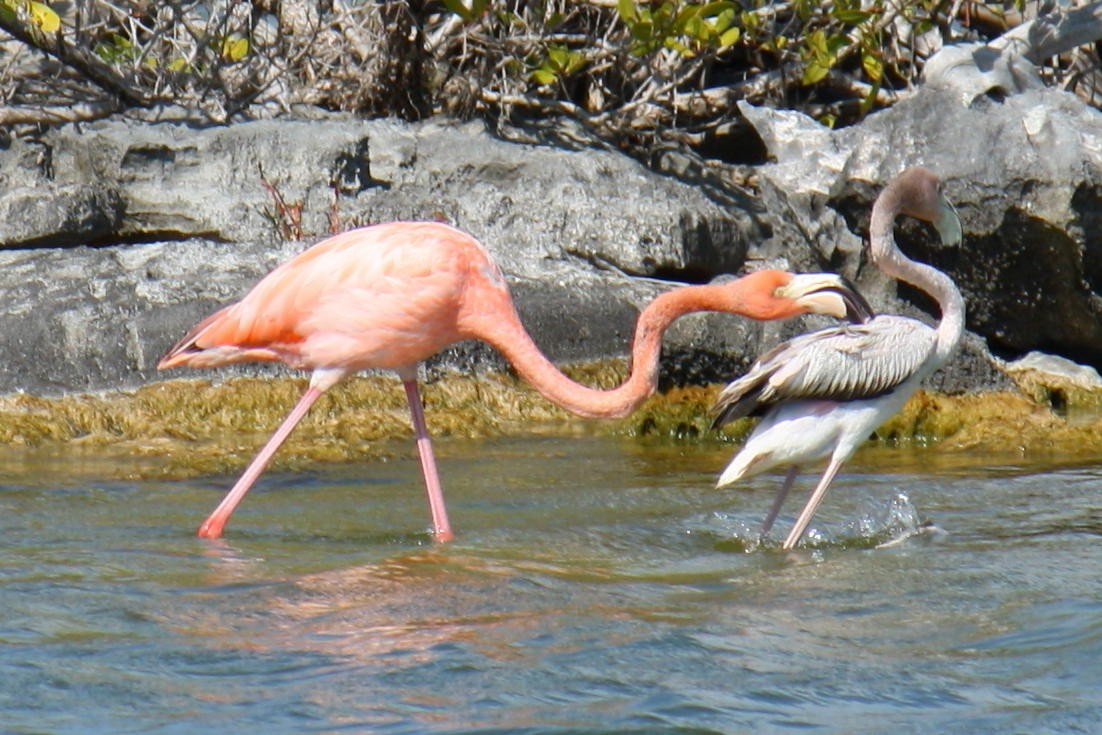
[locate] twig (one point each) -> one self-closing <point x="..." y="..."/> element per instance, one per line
<point x="53" y="114"/>
<point x="1054" y="33"/>
<point x="288" y="216"/>
<point x="543" y="105"/>
<point x="78" y="58"/>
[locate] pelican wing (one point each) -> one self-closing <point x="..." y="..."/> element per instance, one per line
<point x="836" y="364"/>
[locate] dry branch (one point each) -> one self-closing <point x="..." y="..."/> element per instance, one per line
<point x="56" y="114"/>
<point x="79" y="59"/>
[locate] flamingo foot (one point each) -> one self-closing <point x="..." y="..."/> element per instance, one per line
<point x="211" y="528"/>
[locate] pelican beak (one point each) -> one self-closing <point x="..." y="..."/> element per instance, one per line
<point x="828" y="293"/>
<point x="947" y="223"/>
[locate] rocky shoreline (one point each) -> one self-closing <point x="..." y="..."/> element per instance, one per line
<point x="186" y="428"/>
<point x="117" y="236"/>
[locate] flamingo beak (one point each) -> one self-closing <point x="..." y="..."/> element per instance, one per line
<point x="947" y="223"/>
<point x="830" y="294"/>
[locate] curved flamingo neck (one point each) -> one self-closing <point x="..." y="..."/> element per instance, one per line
<point x="891" y="260"/>
<point x="513" y="341"/>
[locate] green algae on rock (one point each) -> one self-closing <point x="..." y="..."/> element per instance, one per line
<point x="1055" y="381"/>
<point x="194" y="427"/>
<point x="202" y="426"/>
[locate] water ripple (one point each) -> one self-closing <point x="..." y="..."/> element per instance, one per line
<point x="597" y="586"/>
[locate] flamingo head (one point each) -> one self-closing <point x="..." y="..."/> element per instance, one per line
<point x="807" y="293"/>
<point x="920" y="196"/>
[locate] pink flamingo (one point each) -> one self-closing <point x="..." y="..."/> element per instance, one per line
<point x="391" y="295"/>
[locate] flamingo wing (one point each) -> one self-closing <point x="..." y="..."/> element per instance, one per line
<point x="835" y="364"/>
<point x="382" y="296"/>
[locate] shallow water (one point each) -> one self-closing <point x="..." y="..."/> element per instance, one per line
<point x="597" y="585"/>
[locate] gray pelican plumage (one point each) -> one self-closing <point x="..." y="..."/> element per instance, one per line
<point x="823" y="393"/>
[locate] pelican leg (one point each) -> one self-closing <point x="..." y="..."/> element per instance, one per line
<point x="778" y="501"/>
<point x="441" y="529"/>
<point x="216" y="521"/>
<point x="813" y="503"/>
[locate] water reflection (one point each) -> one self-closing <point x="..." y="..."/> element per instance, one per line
<point x="597" y="586"/>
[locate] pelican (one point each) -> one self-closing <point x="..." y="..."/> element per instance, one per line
<point x="823" y="393"/>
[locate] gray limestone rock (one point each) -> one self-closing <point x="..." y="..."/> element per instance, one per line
<point x="182" y="221"/>
<point x="117" y="236"/>
<point x="1025" y="174"/>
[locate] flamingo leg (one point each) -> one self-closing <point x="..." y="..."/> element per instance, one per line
<point x="813" y="503"/>
<point x="778" y="501"/>
<point x="441" y="529"/>
<point x="216" y="521"/>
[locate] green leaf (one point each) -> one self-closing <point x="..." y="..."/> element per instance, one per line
<point x="673" y="43"/>
<point x="234" y="47"/>
<point x="686" y="15"/>
<point x="725" y="20"/>
<point x="41" y="16"/>
<point x="563" y="61"/>
<point x="543" y="76"/>
<point x="718" y="8"/>
<point x="730" y="37"/>
<point x="870" y="99"/>
<point x="515" y="67"/>
<point x="851" y="17"/>
<point x="44" y="17"/>
<point x="628" y="12"/>
<point x="816" y="44"/>
<point x="115" y="49"/>
<point x="835" y="44"/>
<point x="873" y="66"/>
<point x="665" y="15"/>
<point x="814" y="72"/>
<point x="557" y="56"/>
<point x="576" y="62"/>
<point x="697" y="29"/>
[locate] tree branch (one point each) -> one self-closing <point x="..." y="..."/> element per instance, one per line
<point x="53" y="114"/>
<point x="83" y="61"/>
